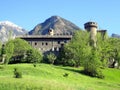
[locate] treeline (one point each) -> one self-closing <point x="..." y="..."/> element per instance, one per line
<point x="78" y="52"/>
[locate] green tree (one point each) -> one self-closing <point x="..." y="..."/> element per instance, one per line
<point x="92" y="64"/>
<point x="79" y="52"/>
<point x="15" y="50"/>
<point x="20" y="49"/>
<point x="74" y="52"/>
<point x="3" y="54"/>
<point x="115" y="50"/>
<point x="33" y="56"/>
<point x="104" y="49"/>
<point x="51" y="58"/>
<point x="9" y="48"/>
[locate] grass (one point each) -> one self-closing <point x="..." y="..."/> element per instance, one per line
<point x="50" y="77"/>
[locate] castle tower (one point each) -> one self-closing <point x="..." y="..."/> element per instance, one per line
<point x="51" y="32"/>
<point x="92" y="28"/>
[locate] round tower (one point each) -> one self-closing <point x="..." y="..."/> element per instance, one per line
<point x="92" y="28"/>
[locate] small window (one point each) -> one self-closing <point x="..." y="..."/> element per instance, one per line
<point x="35" y="43"/>
<point x="42" y="43"/>
<point x="46" y="44"/>
<point x="62" y="45"/>
<point x="60" y="49"/>
<point x="58" y="42"/>
<point x="55" y="49"/>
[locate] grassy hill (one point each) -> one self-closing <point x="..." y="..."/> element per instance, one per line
<point x="50" y="77"/>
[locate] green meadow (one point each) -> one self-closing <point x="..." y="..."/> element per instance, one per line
<point x="50" y="77"/>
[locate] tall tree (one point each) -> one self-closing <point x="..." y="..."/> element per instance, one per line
<point x="76" y="49"/>
<point x="104" y="49"/>
<point x="9" y="48"/>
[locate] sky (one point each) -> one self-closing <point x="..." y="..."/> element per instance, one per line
<point x="29" y="13"/>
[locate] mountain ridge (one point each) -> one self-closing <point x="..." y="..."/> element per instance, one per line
<point x="57" y="23"/>
<point x="115" y="35"/>
<point x="10" y="30"/>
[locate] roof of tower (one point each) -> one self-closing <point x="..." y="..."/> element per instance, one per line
<point x="90" y="24"/>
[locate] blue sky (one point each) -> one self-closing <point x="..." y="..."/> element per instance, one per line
<point x="28" y="13"/>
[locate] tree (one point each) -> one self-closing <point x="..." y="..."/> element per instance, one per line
<point x="51" y="58"/>
<point x="33" y="56"/>
<point x="20" y="49"/>
<point x="3" y="54"/>
<point x="92" y="64"/>
<point x="104" y="49"/>
<point x="79" y="52"/>
<point x="115" y="50"/>
<point x="74" y="52"/>
<point x="14" y="50"/>
<point x="9" y="48"/>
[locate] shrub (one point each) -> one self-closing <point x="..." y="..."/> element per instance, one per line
<point x="100" y="74"/>
<point x="51" y="58"/>
<point x="34" y="65"/>
<point x="17" y="73"/>
<point x="66" y="75"/>
<point x="33" y="56"/>
<point x="1" y="67"/>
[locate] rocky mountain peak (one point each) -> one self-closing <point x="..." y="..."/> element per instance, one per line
<point x="57" y="23"/>
<point x="8" y="23"/>
<point x="54" y="18"/>
<point x="10" y="30"/>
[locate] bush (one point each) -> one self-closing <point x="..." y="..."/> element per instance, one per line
<point x="34" y="65"/>
<point x="1" y="67"/>
<point x="51" y="58"/>
<point x="66" y="75"/>
<point x="33" y="56"/>
<point x="17" y="73"/>
<point x="100" y="74"/>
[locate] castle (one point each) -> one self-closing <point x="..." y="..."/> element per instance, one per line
<point x="92" y="28"/>
<point x="54" y="43"/>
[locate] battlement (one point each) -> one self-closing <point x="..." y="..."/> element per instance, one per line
<point x="44" y="36"/>
<point x="90" y="24"/>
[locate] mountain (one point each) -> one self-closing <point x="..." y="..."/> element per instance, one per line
<point x="116" y="35"/>
<point x="10" y="30"/>
<point x="58" y="24"/>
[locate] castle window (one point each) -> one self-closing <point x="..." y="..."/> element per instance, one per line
<point x="42" y="43"/>
<point x="55" y="49"/>
<point x="58" y="42"/>
<point x="60" y="49"/>
<point x="62" y="45"/>
<point x="35" y="43"/>
<point x="46" y="44"/>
